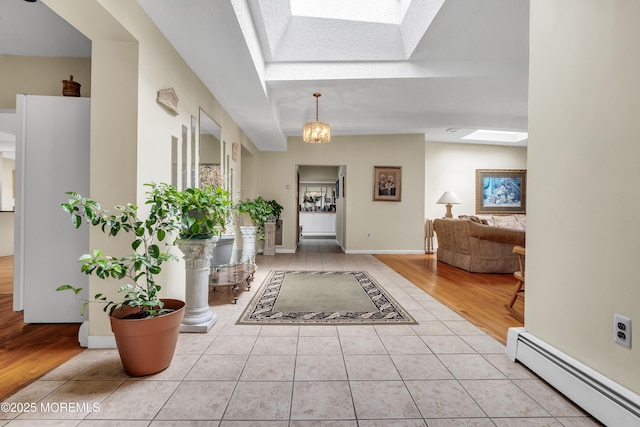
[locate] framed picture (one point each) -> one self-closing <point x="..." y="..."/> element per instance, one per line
<point x="387" y="183"/>
<point x="501" y="191"/>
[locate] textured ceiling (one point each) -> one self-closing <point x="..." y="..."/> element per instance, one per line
<point x="383" y="67"/>
<point x="402" y="66"/>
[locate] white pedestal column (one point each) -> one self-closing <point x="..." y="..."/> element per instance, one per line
<point x="248" y="241"/>
<point x="197" y="314"/>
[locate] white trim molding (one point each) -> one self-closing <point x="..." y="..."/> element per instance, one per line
<point x="604" y="399"/>
<point x="94" y="341"/>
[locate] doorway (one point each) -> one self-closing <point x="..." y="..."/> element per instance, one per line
<point x="320" y="202"/>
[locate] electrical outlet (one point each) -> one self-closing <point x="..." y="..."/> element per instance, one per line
<point x="369" y="234"/>
<point x="622" y="330"/>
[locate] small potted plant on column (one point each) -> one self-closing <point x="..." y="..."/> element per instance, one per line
<point x="259" y="212"/>
<point x="204" y="212"/>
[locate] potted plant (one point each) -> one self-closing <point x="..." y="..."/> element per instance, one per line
<point x="203" y="211"/>
<point x="259" y="212"/>
<point x="276" y="210"/>
<point x="145" y="326"/>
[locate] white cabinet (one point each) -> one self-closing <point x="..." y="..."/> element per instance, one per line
<point x="52" y="157"/>
<point x="318" y="223"/>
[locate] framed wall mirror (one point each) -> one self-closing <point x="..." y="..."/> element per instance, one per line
<point x="210" y="165"/>
<point x="194" y="153"/>
<point x="185" y="157"/>
<point x="175" y="161"/>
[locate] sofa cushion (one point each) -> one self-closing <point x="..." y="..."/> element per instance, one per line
<point x="513" y="222"/>
<point x="475" y="219"/>
<point x="497" y="234"/>
<point x="512" y="225"/>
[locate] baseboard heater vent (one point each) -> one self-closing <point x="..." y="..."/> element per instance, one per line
<point x="600" y="396"/>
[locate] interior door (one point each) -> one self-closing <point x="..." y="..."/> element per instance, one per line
<point x="52" y="157"/>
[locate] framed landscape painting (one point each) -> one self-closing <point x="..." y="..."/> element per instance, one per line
<point x="501" y="191"/>
<point x="387" y="182"/>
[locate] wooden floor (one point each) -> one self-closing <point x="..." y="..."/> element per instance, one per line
<point x="29" y="351"/>
<point x="479" y="298"/>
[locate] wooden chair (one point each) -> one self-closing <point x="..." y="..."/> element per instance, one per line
<point x="518" y="290"/>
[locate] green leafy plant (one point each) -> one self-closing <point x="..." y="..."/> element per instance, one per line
<point x="144" y="263"/>
<point x="259" y="211"/>
<point x="204" y="212"/>
<point x="276" y="209"/>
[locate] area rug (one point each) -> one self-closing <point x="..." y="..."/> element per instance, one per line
<point x="322" y="297"/>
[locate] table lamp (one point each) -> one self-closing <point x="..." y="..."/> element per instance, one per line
<point x="448" y="198"/>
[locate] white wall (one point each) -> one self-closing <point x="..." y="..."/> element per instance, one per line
<point x="395" y="226"/>
<point x="6" y="233"/>
<point x="40" y="76"/>
<point x="452" y="167"/>
<point x="584" y="170"/>
<point x="7" y="172"/>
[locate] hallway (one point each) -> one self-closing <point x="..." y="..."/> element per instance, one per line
<point x="442" y="372"/>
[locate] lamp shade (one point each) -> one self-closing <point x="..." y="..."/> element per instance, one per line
<point x="449" y="197"/>
<point x="316" y="132"/>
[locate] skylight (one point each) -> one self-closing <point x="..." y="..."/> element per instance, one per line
<point x="384" y="12"/>
<point x="497" y="136"/>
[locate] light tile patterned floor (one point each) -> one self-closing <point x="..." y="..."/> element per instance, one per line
<point x="442" y="372"/>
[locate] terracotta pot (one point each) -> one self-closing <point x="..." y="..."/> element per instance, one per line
<point x="146" y="346"/>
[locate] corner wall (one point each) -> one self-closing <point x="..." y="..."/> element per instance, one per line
<point x="584" y="170"/>
<point x="452" y="167"/>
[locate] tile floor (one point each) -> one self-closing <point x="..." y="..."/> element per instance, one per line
<point x="442" y="372"/>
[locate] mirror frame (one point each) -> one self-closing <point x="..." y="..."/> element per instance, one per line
<point x="211" y="168"/>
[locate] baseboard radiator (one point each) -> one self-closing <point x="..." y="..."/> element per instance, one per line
<point x="428" y="236"/>
<point x="600" y="396"/>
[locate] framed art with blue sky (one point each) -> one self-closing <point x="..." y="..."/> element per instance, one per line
<point x="501" y="191"/>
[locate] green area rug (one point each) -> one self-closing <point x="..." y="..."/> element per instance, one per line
<point x="322" y="297"/>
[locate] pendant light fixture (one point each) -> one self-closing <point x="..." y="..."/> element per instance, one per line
<point x="316" y="132"/>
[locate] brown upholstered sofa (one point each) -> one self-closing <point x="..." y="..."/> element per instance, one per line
<point x="481" y="244"/>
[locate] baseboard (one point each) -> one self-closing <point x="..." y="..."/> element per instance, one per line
<point x="606" y="400"/>
<point x="285" y="251"/>
<point x="94" y="341"/>
<point x="383" y="251"/>
<point x="101" y="341"/>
